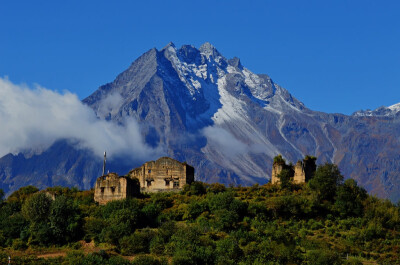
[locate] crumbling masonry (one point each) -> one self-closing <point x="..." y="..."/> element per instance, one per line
<point x="164" y="174"/>
<point x="302" y="171"/>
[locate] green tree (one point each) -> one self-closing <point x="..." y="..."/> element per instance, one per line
<point x="349" y="199"/>
<point x="195" y="188"/>
<point x="228" y="251"/>
<point x="22" y="194"/>
<point x="36" y="208"/>
<point x="64" y="220"/>
<point x="285" y="178"/>
<point x="326" y="180"/>
<point x="279" y="160"/>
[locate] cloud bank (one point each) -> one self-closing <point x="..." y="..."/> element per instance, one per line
<point x="34" y="118"/>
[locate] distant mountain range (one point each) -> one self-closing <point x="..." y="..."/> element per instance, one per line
<point x="229" y="123"/>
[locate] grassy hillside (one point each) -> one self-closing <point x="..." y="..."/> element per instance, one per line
<point x="326" y="221"/>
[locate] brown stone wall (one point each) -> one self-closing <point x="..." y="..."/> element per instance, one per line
<point x="276" y="169"/>
<point x="299" y="173"/>
<point x="112" y="187"/>
<point x="163" y="175"/>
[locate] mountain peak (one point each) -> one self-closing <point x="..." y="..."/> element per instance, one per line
<point x="381" y="111"/>
<point x="209" y="50"/>
<point x="395" y="107"/>
<point x="235" y="62"/>
<point x="170" y="44"/>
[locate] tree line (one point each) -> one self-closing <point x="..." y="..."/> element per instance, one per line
<point x="327" y="220"/>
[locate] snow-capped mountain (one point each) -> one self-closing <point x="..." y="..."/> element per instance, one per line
<point x="381" y="111"/>
<point x="215" y="107"/>
<point x="226" y="121"/>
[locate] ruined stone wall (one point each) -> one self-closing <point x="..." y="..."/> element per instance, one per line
<point x="112" y="187"/>
<point x="163" y="175"/>
<point x="276" y="169"/>
<point x="299" y="173"/>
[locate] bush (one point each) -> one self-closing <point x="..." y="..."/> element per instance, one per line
<point x="93" y="227"/>
<point x="353" y="261"/>
<point x="22" y="194"/>
<point x="195" y="188"/>
<point x="147" y="260"/>
<point x="323" y="257"/>
<point x="138" y="242"/>
<point x="217" y="188"/>
<point x="194" y="210"/>
<point x="157" y="245"/>
<point x="225" y="220"/>
<point x="18" y="244"/>
<point x="228" y="251"/>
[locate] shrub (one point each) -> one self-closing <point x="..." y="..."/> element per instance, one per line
<point x="323" y="257"/>
<point x="353" y="261"/>
<point x="228" y="251"/>
<point x="147" y="260"/>
<point x="18" y="244"/>
<point x="217" y="188"/>
<point x="138" y="242"/>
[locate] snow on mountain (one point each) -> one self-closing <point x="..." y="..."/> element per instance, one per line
<point x="381" y="111"/>
<point x="228" y="122"/>
<point x="395" y="107"/>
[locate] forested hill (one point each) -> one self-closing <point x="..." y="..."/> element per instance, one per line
<point x="326" y="221"/>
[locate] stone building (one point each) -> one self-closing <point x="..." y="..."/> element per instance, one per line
<point x="301" y="172"/>
<point x="164" y="174"/>
<point x="113" y="187"/>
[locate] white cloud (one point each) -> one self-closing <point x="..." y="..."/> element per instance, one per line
<point x="225" y="141"/>
<point x="36" y="118"/>
<point x="108" y="104"/>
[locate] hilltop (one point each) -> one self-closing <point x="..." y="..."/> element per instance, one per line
<point x="327" y="221"/>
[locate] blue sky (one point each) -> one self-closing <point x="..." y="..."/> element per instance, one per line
<point x="335" y="56"/>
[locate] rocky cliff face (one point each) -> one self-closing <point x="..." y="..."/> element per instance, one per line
<point x="229" y="123"/>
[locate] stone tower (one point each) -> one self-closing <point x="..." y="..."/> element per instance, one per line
<point x="299" y="173"/>
<point x="276" y="169"/>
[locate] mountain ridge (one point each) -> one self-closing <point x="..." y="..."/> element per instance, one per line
<point x="229" y="123"/>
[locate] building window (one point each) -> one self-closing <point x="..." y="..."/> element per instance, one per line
<point x="167" y="182"/>
<point x="112" y="189"/>
<point x="148" y="183"/>
<point x="149" y="171"/>
<point x="102" y="189"/>
<point x="176" y="183"/>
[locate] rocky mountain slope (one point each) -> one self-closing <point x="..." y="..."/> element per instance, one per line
<point x="226" y="121"/>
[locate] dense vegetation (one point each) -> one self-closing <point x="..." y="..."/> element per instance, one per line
<point x="326" y="221"/>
